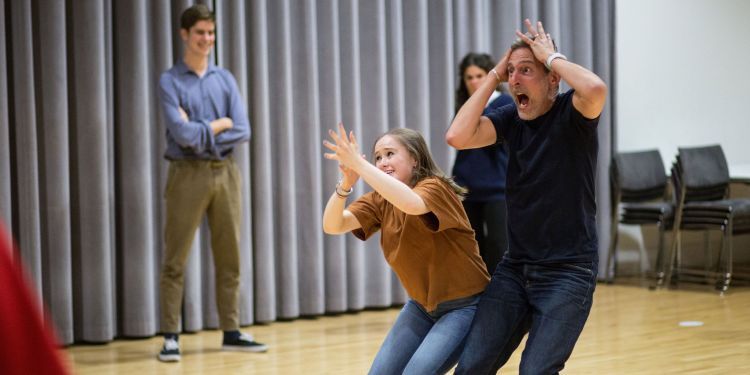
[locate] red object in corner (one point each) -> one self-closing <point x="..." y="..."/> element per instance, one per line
<point x="26" y="345"/>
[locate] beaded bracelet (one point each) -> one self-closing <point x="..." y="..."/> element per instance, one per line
<point x="343" y="193"/>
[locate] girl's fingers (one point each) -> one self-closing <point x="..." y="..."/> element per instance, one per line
<point x="334" y="136"/>
<point x="330" y="146"/>
<point x="355" y="144"/>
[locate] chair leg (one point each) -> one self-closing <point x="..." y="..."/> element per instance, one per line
<point x="673" y="258"/>
<point x="726" y="242"/>
<point x="708" y="255"/>
<point x="659" y="272"/>
<point x="610" y="270"/>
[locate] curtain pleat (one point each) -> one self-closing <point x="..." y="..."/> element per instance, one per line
<point x="25" y="200"/>
<point x="603" y="63"/>
<point x="351" y="113"/>
<point x="507" y="17"/>
<point x="82" y="140"/>
<point x="329" y="95"/>
<point x="308" y="152"/>
<point x="395" y="67"/>
<point x="6" y="211"/>
<point x="284" y="69"/>
<point x="93" y="277"/>
<point x="416" y="59"/>
<point x="54" y="183"/>
<point x="261" y="150"/>
<point x="441" y="68"/>
<point x="134" y="204"/>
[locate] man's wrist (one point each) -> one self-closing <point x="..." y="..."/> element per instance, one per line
<point x="493" y="72"/>
<point x="552" y="57"/>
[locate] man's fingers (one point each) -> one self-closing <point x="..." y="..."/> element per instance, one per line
<point x="529" y="27"/>
<point x="540" y="28"/>
<point x="523" y="37"/>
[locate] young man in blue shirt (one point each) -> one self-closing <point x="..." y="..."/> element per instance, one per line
<point x="206" y="119"/>
<point x="545" y="282"/>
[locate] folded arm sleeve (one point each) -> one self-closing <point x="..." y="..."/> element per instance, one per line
<point x="240" y="131"/>
<point x="197" y="135"/>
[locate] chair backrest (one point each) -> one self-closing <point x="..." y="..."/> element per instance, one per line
<point x="700" y="174"/>
<point x="638" y="176"/>
<point x="703" y="168"/>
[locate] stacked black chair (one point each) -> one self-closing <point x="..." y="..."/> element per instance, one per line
<point x="639" y="191"/>
<point x="701" y="179"/>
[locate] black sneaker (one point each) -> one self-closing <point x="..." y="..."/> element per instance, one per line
<point x="244" y="343"/>
<point x="170" y="352"/>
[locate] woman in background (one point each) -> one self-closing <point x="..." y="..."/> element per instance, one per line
<point x="482" y="170"/>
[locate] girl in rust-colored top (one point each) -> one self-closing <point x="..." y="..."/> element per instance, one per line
<point x="426" y="238"/>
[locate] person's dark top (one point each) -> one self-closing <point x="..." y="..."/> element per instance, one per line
<point x="204" y="99"/>
<point x="550" y="190"/>
<point x="482" y="170"/>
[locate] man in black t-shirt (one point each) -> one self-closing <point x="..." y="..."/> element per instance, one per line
<point x="545" y="283"/>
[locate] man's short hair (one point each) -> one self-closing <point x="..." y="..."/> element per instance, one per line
<point x="197" y="12"/>
<point x="519" y="43"/>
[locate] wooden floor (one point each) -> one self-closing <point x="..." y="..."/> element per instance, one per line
<point x="631" y="330"/>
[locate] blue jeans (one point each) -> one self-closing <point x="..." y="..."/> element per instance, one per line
<point x="425" y="343"/>
<point x="551" y="302"/>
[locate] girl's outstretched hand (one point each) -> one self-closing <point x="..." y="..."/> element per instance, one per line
<point x="345" y="149"/>
<point x="346" y="152"/>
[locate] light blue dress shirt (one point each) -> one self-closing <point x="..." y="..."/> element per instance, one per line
<point x="204" y="99"/>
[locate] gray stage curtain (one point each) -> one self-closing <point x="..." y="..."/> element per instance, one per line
<point x="82" y="138"/>
<point x="5" y="174"/>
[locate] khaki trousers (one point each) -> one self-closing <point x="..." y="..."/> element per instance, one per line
<point x="195" y="188"/>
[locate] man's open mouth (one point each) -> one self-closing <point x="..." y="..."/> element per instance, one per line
<point x="522" y="100"/>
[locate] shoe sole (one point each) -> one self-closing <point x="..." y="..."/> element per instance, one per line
<point x="253" y="349"/>
<point x="169" y="357"/>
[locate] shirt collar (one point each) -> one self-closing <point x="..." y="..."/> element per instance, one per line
<point x="182" y="68"/>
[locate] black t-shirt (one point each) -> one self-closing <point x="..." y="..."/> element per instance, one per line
<point x="550" y="190"/>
